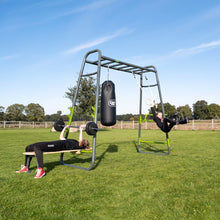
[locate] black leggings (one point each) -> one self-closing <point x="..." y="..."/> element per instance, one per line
<point x="167" y="127"/>
<point x="39" y="148"/>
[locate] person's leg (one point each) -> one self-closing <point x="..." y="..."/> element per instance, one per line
<point x="167" y="127"/>
<point x="170" y="121"/>
<point x="29" y="148"/>
<point x="28" y="159"/>
<point x="183" y="121"/>
<point x="39" y="148"/>
<point x="39" y="155"/>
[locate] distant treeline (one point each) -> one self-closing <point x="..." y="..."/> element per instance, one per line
<point x="35" y="112"/>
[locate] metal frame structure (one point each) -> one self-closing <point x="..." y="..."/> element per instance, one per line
<point x="110" y="63"/>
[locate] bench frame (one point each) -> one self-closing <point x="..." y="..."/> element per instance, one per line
<point x="32" y="154"/>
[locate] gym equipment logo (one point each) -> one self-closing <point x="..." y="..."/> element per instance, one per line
<point x="112" y="103"/>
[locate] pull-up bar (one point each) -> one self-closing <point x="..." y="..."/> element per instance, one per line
<point x="121" y="66"/>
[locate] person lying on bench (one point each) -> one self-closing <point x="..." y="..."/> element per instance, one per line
<point x="166" y="124"/>
<point x="62" y="144"/>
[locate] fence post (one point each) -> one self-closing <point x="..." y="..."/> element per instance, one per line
<point x="213" y="125"/>
<point x="193" y="127"/>
<point x="121" y="124"/>
<point x="33" y="124"/>
<point x="4" y="123"/>
<point x="19" y="124"/>
<point x="133" y="124"/>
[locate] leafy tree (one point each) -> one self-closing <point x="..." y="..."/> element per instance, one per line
<point x="59" y="113"/>
<point x="1" y="113"/>
<point x="34" y="112"/>
<point x="127" y="117"/>
<point x="136" y="117"/>
<point x="214" y="111"/>
<point x="200" y="110"/>
<point x="185" y="111"/>
<point x="15" y="112"/>
<point x="169" y="109"/>
<point x="55" y="117"/>
<point x="85" y="98"/>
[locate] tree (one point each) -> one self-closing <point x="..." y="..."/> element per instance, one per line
<point x="169" y="109"/>
<point x="185" y="111"/>
<point x="200" y="110"/>
<point x="214" y="111"/>
<point x="15" y="112"/>
<point x="1" y="113"/>
<point x="34" y="112"/>
<point x="85" y="98"/>
<point x="127" y="117"/>
<point x="55" y="117"/>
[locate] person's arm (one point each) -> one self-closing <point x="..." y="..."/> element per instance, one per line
<point x="153" y="111"/>
<point x="81" y="136"/>
<point x="63" y="132"/>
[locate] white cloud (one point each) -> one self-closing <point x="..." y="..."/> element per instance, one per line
<point x="9" y="57"/>
<point x="143" y="59"/>
<point x="211" y="13"/>
<point x="197" y="49"/>
<point x="92" y="6"/>
<point x="98" y="41"/>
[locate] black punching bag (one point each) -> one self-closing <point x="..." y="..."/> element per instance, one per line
<point x="108" y="104"/>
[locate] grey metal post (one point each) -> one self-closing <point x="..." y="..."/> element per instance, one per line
<point x="161" y="101"/>
<point x="140" y="111"/>
<point x="96" y="107"/>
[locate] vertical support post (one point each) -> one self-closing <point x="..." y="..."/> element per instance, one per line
<point x="159" y="91"/>
<point x="213" y="125"/>
<point x="140" y="112"/>
<point x="163" y="112"/>
<point x="96" y="106"/>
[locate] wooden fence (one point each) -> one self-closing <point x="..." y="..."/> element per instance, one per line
<point x="193" y="125"/>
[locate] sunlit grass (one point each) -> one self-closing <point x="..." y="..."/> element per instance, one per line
<point x="124" y="184"/>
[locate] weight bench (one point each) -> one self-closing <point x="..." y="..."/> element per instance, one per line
<point x="32" y="154"/>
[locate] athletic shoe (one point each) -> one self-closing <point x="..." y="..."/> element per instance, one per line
<point x="40" y="173"/>
<point x="24" y="169"/>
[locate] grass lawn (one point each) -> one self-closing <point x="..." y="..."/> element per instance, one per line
<point x="124" y="184"/>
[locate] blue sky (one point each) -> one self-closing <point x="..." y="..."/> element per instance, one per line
<point x="42" y="45"/>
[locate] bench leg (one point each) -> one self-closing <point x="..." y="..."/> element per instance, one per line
<point x="61" y="158"/>
<point x="28" y="163"/>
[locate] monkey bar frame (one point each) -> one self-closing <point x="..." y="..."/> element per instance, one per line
<point x="110" y="63"/>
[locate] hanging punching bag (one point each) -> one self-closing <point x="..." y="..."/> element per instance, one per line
<point x="108" y="104"/>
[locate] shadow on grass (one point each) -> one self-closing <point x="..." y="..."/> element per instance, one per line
<point x="112" y="148"/>
<point x="146" y="147"/>
<point x="76" y="159"/>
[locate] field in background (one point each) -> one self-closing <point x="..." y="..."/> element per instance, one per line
<point x="209" y="125"/>
<point x="124" y="184"/>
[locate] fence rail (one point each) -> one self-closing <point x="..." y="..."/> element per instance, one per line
<point x="193" y="125"/>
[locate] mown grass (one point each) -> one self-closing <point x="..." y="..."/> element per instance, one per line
<point x="124" y="184"/>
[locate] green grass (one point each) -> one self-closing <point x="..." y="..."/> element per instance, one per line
<point x="124" y="184"/>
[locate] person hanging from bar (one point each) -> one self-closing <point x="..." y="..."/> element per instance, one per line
<point x="164" y="123"/>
